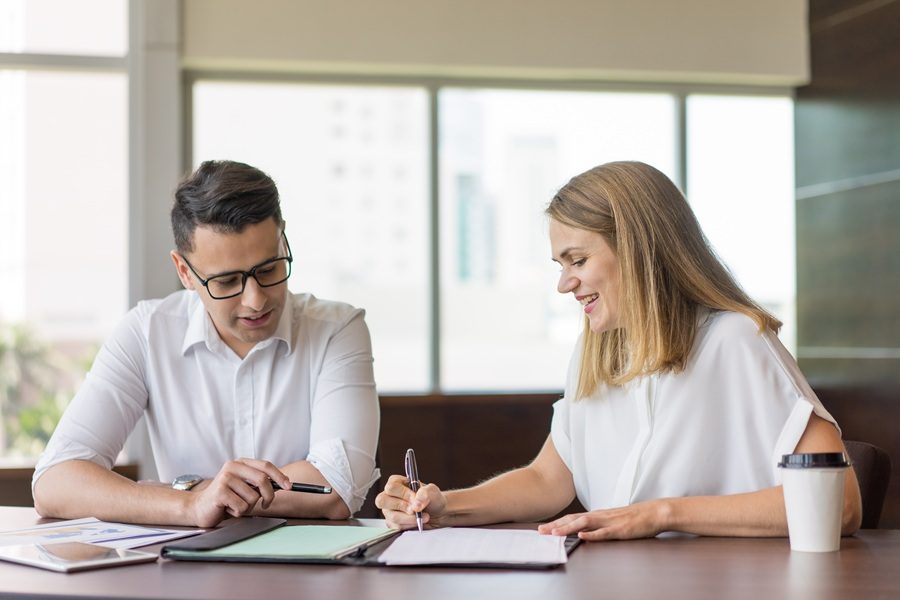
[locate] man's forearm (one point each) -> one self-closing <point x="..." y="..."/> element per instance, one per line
<point x="77" y="488"/>
<point x="304" y="505"/>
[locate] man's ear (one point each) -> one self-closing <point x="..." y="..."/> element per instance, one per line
<point x="184" y="273"/>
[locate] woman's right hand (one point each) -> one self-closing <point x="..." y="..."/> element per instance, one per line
<point x="399" y="503"/>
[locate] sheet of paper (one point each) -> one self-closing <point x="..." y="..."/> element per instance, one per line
<point x="94" y="531"/>
<point x="459" y="545"/>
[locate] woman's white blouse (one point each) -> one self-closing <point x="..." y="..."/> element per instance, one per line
<point x="718" y="427"/>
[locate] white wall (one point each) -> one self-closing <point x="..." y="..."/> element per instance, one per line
<point x="726" y="41"/>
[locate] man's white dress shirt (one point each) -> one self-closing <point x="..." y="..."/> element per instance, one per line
<point x="306" y="393"/>
<point x="719" y="427"/>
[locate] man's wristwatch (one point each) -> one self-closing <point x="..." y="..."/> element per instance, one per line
<point x="186" y="482"/>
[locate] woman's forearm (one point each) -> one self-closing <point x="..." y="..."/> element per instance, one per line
<point x="754" y="514"/>
<point x="519" y="495"/>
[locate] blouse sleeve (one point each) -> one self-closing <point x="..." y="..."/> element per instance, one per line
<point x="766" y="401"/>
<point x="806" y="405"/>
<point x="560" y="426"/>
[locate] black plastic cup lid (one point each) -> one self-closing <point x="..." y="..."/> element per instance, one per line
<point x="814" y="460"/>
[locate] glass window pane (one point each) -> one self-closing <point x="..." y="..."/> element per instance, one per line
<point x="503" y="154"/>
<point x="63" y="244"/>
<point x="83" y="27"/>
<point x="351" y="163"/>
<point x="741" y="186"/>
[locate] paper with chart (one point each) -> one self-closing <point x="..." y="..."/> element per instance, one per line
<point x="94" y="531"/>
<point x="474" y="546"/>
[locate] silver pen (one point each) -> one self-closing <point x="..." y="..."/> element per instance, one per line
<point x="412" y="474"/>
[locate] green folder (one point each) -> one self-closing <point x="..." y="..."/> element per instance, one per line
<point x="260" y="539"/>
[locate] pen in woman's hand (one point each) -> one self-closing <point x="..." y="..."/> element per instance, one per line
<point x="412" y="474"/>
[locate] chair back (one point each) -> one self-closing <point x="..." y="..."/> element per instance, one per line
<point x="873" y="471"/>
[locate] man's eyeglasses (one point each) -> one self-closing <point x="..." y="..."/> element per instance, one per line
<point x="231" y="284"/>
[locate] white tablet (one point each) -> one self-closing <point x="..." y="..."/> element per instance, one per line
<point x="66" y="557"/>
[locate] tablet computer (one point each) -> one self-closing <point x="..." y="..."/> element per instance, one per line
<point x="66" y="557"/>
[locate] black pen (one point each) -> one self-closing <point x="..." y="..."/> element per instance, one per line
<point x="309" y="488"/>
<point x="412" y="474"/>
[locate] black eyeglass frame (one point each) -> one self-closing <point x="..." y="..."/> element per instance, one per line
<point x="245" y="275"/>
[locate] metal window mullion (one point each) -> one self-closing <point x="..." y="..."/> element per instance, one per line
<point x="434" y="281"/>
<point x="681" y="141"/>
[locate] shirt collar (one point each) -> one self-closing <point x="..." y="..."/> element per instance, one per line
<point x="284" y="331"/>
<point x="201" y="329"/>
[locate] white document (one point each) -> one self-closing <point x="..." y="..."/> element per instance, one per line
<point x="93" y="531"/>
<point x="473" y="546"/>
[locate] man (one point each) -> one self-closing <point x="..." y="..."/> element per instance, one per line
<point x="235" y="376"/>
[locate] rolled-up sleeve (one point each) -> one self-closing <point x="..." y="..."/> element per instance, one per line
<point x="345" y="414"/>
<point x="107" y="406"/>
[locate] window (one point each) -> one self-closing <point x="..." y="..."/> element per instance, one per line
<point x="503" y="154"/>
<point x="352" y="164"/>
<point x="741" y="186"/>
<point x="61" y="163"/>
<point x="46" y="27"/>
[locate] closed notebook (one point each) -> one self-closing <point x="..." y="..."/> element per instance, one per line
<point x="262" y="539"/>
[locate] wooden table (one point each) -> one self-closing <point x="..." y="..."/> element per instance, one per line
<point x="868" y="566"/>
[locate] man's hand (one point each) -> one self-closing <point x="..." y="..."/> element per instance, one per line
<point x="237" y="488"/>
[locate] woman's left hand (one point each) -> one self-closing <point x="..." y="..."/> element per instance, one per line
<point x="641" y="520"/>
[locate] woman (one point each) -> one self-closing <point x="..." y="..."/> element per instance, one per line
<point x="679" y="399"/>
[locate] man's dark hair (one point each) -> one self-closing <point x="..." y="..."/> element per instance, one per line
<point x="224" y="195"/>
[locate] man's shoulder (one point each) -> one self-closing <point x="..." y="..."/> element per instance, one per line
<point x="177" y="305"/>
<point x="166" y="315"/>
<point x="307" y="308"/>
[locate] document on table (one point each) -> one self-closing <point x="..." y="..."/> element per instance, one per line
<point x="474" y="546"/>
<point x="94" y="531"/>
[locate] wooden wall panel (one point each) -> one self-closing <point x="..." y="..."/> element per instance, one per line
<point x="847" y="136"/>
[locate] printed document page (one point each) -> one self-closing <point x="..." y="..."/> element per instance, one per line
<point x="474" y="546"/>
<point x="93" y="531"/>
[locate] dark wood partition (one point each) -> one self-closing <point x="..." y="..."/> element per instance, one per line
<point x="461" y="439"/>
<point x="847" y="136"/>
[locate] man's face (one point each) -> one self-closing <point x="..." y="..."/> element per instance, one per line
<point x="252" y="316"/>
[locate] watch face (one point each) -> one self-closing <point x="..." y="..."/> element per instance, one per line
<point x="186" y="482"/>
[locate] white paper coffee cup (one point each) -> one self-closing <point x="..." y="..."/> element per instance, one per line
<point x="814" y="499"/>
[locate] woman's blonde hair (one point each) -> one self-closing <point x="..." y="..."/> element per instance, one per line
<point x="668" y="272"/>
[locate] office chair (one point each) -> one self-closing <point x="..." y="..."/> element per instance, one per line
<point x="873" y="471"/>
